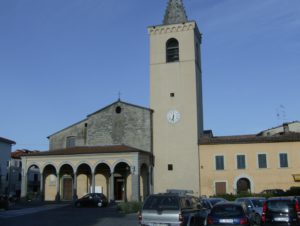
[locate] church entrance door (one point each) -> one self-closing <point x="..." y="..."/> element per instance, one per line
<point x="67" y="188"/>
<point x="119" y="188"/>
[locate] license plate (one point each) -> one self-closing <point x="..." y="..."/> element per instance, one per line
<point x="157" y="224"/>
<point x="281" y="219"/>
<point x="226" y="221"/>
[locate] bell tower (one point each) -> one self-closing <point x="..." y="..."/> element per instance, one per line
<point x="176" y="98"/>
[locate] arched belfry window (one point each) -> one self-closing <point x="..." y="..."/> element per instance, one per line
<point x="172" y="50"/>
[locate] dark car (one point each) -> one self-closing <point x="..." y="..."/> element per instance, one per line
<point x="228" y="213"/>
<point x="210" y="202"/>
<point x="168" y="209"/>
<point x="92" y="199"/>
<point x="281" y="211"/>
<point x="4" y="202"/>
<point x="254" y="207"/>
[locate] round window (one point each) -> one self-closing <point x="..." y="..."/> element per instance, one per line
<point x="118" y="110"/>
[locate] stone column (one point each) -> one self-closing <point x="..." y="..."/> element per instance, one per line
<point x="41" y="186"/>
<point x="75" y="186"/>
<point x="150" y="170"/>
<point x="112" y="187"/>
<point x="24" y="184"/>
<point x="135" y="184"/>
<point x="93" y="182"/>
<point x="57" y="197"/>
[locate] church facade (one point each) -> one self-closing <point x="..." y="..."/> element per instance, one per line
<point x="109" y="152"/>
<point x="127" y="151"/>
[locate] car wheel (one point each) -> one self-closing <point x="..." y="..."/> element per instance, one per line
<point x="99" y="204"/>
<point x="257" y="219"/>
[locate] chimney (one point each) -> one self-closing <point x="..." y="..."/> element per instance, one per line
<point x="286" y="128"/>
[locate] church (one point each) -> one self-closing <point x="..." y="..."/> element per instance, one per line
<point x="127" y="151"/>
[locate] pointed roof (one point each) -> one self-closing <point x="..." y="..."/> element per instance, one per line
<point x="175" y="13"/>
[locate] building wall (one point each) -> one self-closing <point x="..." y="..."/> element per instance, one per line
<point x="175" y="144"/>
<point x="5" y="150"/>
<point x="131" y="127"/>
<point x="271" y="177"/>
<point x="59" y="139"/>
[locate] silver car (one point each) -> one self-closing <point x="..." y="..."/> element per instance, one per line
<point x="169" y="209"/>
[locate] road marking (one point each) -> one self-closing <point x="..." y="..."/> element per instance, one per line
<point x="25" y="211"/>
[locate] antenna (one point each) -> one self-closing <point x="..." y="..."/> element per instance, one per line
<point x="119" y="94"/>
<point x="281" y="113"/>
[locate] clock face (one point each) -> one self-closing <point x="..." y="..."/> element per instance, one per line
<point x="173" y="116"/>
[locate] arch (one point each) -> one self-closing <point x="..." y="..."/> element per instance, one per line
<point x="50" y="174"/>
<point x="172" y="50"/>
<point x="103" y="162"/>
<point x="33" y="164"/>
<point x="118" y="162"/>
<point x="48" y="164"/>
<point x="66" y="181"/>
<point x="122" y="181"/>
<point x="102" y="175"/>
<point x="83" y="163"/>
<point x="243" y="184"/>
<point x="84" y="179"/>
<point x="64" y="164"/>
<point x="33" y="183"/>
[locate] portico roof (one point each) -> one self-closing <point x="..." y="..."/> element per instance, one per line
<point x="91" y="150"/>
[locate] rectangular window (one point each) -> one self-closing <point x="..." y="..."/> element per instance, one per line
<point x="262" y="161"/>
<point x="170" y="167"/>
<point x="220" y="188"/>
<point x="283" y="158"/>
<point x="241" y="161"/>
<point x="70" y="142"/>
<point x="219" y="162"/>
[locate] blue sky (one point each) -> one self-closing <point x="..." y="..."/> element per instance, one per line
<point x="62" y="60"/>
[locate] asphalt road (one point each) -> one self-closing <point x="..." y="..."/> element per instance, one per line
<point x="66" y="215"/>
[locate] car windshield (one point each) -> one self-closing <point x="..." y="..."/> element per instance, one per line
<point x="280" y="206"/>
<point x="205" y="204"/>
<point x="215" y="201"/>
<point x="227" y="211"/>
<point x="258" y="202"/>
<point x="162" y="203"/>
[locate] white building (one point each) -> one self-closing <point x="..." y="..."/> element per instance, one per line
<point x="5" y="150"/>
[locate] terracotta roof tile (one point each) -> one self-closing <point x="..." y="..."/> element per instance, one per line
<point x="241" y="139"/>
<point x="89" y="150"/>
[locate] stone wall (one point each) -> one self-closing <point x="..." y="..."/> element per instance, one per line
<point x="116" y="124"/>
<point x="59" y="139"/>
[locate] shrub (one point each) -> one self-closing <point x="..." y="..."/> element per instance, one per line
<point x="129" y="207"/>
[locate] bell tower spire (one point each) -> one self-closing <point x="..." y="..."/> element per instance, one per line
<point x="175" y="13"/>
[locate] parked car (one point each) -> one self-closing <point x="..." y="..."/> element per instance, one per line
<point x="4" y="202"/>
<point x="228" y="213"/>
<point x="254" y="206"/>
<point x="171" y="209"/>
<point x="281" y="211"/>
<point x="92" y="199"/>
<point x="210" y="202"/>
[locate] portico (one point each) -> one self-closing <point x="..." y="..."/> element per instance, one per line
<point x="119" y="172"/>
